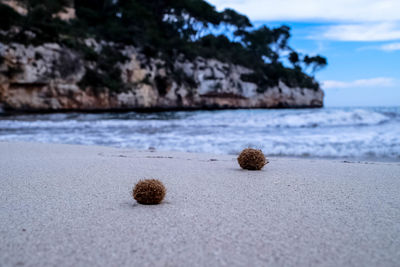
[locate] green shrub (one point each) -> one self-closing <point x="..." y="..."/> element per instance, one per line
<point x="8" y="17"/>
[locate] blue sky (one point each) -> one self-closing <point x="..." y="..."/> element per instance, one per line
<point x="360" y="38"/>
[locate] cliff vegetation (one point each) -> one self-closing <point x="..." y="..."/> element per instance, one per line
<point x="160" y="29"/>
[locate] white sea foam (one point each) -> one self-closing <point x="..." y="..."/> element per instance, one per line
<point x="349" y="133"/>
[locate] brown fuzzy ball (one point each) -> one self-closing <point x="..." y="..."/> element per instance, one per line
<point x="149" y="192"/>
<point x="252" y="159"/>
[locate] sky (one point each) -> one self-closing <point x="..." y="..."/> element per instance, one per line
<point x="360" y="39"/>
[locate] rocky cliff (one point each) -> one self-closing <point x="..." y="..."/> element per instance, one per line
<point x="49" y="78"/>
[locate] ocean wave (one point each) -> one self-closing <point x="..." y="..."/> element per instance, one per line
<point x="335" y="132"/>
<point x="334" y="118"/>
<point x="254" y="119"/>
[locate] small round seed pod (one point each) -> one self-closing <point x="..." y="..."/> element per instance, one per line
<point x="149" y="192"/>
<point x="252" y="159"/>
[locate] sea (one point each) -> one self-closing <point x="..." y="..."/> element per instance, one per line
<point x="338" y="133"/>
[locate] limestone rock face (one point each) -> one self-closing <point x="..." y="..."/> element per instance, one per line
<point x="46" y="78"/>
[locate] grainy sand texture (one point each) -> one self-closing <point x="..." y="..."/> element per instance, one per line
<point x="64" y="205"/>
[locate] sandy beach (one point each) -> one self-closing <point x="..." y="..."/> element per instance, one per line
<point x="65" y="205"/>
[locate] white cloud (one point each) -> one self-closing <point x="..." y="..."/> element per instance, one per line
<point x="361" y="32"/>
<point x="351" y="20"/>
<point x="307" y="10"/>
<point x="390" y="47"/>
<point x="372" y="82"/>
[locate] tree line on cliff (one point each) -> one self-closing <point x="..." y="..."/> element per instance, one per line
<point x="165" y="29"/>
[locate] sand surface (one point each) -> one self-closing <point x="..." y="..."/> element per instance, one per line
<point x="63" y="205"/>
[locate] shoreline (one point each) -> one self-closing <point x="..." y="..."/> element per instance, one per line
<point x="359" y="160"/>
<point x="70" y="205"/>
<point x="7" y="112"/>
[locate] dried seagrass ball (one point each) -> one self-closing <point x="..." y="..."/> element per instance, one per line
<point x="149" y="192"/>
<point x="252" y="159"/>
